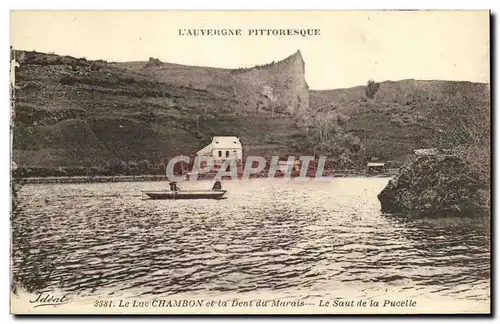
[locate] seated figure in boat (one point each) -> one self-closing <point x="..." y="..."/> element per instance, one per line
<point x="217" y="186"/>
<point x="173" y="186"/>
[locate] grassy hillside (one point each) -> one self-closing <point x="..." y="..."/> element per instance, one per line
<point x="398" y="119"/>
<point x="74" y="116"/>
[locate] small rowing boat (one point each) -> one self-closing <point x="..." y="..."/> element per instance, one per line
<point x="185" y="194"/>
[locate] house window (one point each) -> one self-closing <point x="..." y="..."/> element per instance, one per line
<point x="227" y="154"/>
<point x="220" y="153"/>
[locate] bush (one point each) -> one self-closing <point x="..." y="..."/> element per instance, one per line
<point x="117" y="167"/>
<point x="68" y="80"/>
<point x="133" y="168"/>
<point x="154" y="62"/>
<point x="145" y="166"/>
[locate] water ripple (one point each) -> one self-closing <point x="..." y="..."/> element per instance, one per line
<point x="269" y="235"/>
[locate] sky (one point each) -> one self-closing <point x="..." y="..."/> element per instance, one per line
<point x="353" y="46"/>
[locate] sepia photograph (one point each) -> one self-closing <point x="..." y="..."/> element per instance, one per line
<point x="250" y="162"/>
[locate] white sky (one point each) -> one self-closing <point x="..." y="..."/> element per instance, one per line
<point x="354" y="46"/>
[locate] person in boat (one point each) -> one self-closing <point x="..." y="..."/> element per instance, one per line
<point x="217" y="186"/>
<point x="173" y="186"/>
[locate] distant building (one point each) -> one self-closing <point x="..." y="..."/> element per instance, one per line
<point x="375" y="167"/>
<point x="428" y="151"/>
<point x="223" y="148"/>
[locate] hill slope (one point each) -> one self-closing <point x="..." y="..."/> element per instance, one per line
<point x="398" y="118"/>
<point x="78" y="115"/>
<point x="74" y="113"/>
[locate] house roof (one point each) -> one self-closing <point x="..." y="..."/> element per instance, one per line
<point x="228" y="142"/>
<point x="427" y="151"/>
<point x="205" y="151"/>
<point x="375" y="164"/>
<point x="220" y="142"/>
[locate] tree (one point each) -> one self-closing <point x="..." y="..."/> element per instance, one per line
<point x="371" y="89"/>
<point x="154" y="62"/>
<point x="145" y="166"/>
<point x="133" y="168"/>
<point x="304" y="121"/>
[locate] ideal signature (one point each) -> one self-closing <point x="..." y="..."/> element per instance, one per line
<point x="46" y="298"/>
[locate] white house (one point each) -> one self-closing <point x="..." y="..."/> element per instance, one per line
<point x="375" y="167"/>
<point x="223" y="148"/>
<point x="429" y="151"/>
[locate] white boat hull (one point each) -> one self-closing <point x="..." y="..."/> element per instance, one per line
<point x="185" y="194"/>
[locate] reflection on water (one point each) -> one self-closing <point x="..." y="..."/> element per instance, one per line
<point x="270" y="235"/>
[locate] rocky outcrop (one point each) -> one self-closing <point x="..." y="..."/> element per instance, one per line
<point x="278" y="87"/>
<point x="434" y="185"/>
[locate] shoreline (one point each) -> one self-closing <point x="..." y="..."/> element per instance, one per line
<point x="149" y="178"/>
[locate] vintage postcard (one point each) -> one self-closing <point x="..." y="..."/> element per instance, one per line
<point x="250" y="162"/>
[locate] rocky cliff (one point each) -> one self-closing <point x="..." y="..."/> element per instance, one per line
<point x="279" y="87"/>
<point x="434" y="185"/>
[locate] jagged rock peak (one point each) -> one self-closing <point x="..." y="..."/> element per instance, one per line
<point x="294" y="56"/>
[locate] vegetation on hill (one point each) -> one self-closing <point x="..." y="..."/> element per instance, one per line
<point x="400" y="116"/>
<point x="463" y="126"/>
<point x="457" y="178"/>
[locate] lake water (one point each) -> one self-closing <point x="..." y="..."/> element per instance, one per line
<point x="270" y="236"/>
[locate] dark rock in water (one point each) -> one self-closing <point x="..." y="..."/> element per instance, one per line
<point x="434" y="185"/>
